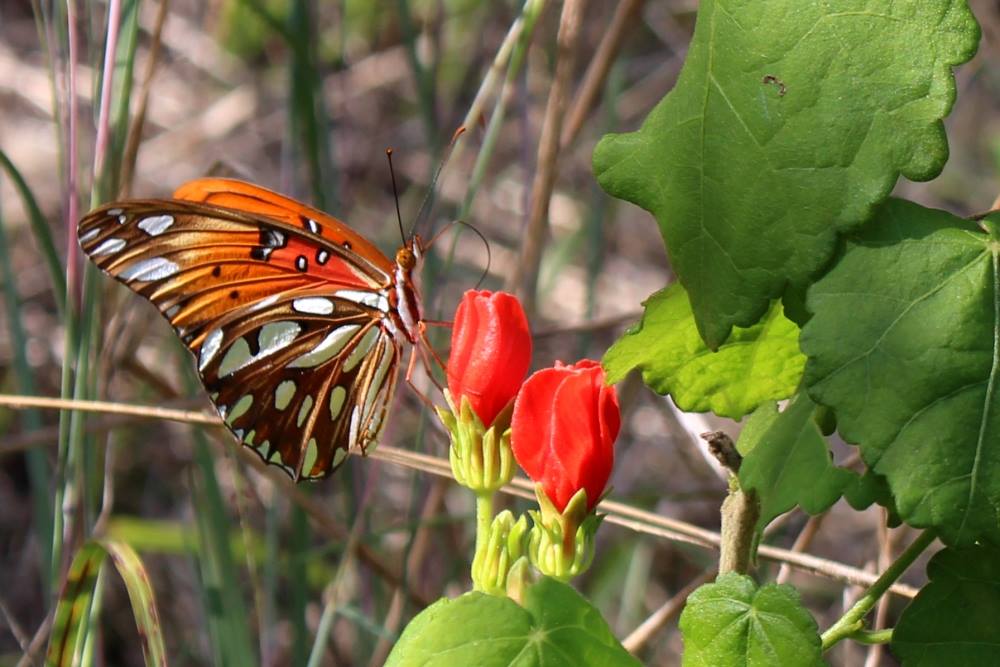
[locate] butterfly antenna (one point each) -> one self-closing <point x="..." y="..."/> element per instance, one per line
<point x="425" y="204"/>
<point x="489" y="253"/>
<point x="395" y="193"/>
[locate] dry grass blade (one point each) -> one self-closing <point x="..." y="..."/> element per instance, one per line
<point x="664" y="614"/>
<point x="525" y="277"/>
<point x="597" y="71"/>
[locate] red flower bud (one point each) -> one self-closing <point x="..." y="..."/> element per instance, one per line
<point x="490" y="352"/>
<point x="563" y="430"/>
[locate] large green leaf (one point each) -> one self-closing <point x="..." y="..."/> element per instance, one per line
<point x="754" y="365"/>
<point x="555" y="628"/>
<point x="903" y="345"/>
<point x="789" y="122"/>
<point x="786" y="461"/>
<point x="732" y="622"/>
<point x="953" y="621"/>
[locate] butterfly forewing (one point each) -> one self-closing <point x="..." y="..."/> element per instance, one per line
<point x="286" y="310"/>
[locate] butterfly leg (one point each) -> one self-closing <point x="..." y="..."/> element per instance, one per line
<point x="410" y="366"/>
<point x="426" y="348"/>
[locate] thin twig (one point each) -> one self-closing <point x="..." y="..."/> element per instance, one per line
<point x="802" y="543"/>
<point x="23" y="641"/>
<point x="524" y="279"/>
<point x="134" y="138"/>
<point x="617" y="513"/>
<point x="597" y="71"/>
<point x="37" y="642"/>
<point x="667" y="611"/>
<point x="494" y="74"/>
<point x="874" y="658"/>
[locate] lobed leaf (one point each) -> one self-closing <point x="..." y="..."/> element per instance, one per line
<point x="790" y="122"/>
<point x="756" y="364"/>
<point x="952" y="621"/>
<point x="787" y="462"/>
<point x="733" y="622"/>
<point x="556" y="627"/>
<point x="903" y="345"/>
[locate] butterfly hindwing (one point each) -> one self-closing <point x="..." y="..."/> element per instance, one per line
<point x="298" y="388"/>
<point x="288" y="323"/>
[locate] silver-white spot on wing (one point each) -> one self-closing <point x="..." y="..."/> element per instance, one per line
<point x="337" y="397"/>
<point x="114" y="211"/>
<point x="273" y="336"/>
<point x="307" y="404"/>
<point x="109" y="247"/>
<point x="264" y="303"/>
<point x="283" y="394"/>
<point x="92" y="234"/>
<point x="363" y="347"/>
<point x="312" y="225"/>
<point x="313" y="305"/>
<point x="352" y="434"/>
<point x="378" y="381"/>
<point x="375" y="300"/>
<point x="153" y="268"/>
<point x="209" y="348"/>
<point x="240" y="408"/>
<point x="156" y="225"/>
<point x="312" y="453"/>
<point x="328" y="348"/>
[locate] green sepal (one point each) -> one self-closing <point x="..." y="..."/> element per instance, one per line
<point x="481" y="458"/>
<point x="520" y="577"/>
<point x="561" y="544"/>
<point x="504" y="545"/>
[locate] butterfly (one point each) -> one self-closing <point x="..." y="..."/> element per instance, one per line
<point x="297" y="323"/>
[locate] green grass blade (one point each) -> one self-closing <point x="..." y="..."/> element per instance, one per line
<point x="228" y="621"/>
<point x="41" y="231"/>
<point x="308" y="115"/>
<point x="38" y="467"/>
<point x="122" y="93"/>
<point x="425" y="78"/>
<point x="73" y="611"/>
<point x="73" y="608"/>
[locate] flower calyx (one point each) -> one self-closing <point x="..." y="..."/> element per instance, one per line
<point x="481" y="458"/>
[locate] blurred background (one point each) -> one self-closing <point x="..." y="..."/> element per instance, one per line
<point x="304" y="97"/>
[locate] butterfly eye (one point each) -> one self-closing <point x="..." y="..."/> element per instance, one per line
<point x="405" y="258"/>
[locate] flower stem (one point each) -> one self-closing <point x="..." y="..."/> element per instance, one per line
<point x="872" y="636"/>
<point x="853" y="621"/>
<point x="484" y="516"/>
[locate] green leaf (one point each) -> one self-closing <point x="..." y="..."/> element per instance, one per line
<point x="953" y="620"/>
<point x="787" y="462"/>
<point x="868" y="489"/>
<point x="555" y="628"/>
<point x="733" y="622"/>
<point x="70" y="626"/>
<point x="903" y="346"/>
<point x="754" y="365"/>
<point x="789" y="122"/>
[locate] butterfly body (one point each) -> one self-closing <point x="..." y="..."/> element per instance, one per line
<point x="297" y="323"/>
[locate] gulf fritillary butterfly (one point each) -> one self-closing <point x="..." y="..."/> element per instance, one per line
<point x="297" y="322"/>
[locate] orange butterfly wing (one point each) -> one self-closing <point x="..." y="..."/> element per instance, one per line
<point x="243" y="196"/>
<point x="285" y="308"/>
